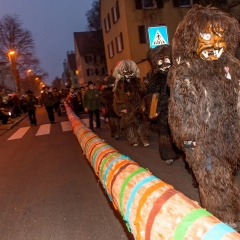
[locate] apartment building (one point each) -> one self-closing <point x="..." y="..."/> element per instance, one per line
<point x="125" y="27"/>
<point x="90" y="63"/>
<point x="72" y="69"/>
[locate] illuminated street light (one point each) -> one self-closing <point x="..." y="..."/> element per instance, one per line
<point x="14" y="70"/>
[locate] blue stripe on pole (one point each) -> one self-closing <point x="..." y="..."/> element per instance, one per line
<point x="217" y="231"/>
<point x="134" y="192"/>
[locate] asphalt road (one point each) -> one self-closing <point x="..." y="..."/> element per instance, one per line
<point x="48" y="191"/>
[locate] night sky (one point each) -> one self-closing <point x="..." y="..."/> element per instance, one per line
<point x="52" y="23"/>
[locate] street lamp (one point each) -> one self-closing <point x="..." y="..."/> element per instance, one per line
<point x="10" y="54"/>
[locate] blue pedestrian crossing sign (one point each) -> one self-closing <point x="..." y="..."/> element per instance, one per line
<point x="157" y="36"/>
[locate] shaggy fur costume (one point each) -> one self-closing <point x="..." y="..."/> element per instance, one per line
<point x="157" y="83"/>
<point x="106" y="99"/>
<point x="128" y="95"/>
<point x="204" y="107"/>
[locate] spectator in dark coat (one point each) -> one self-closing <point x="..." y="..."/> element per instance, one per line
<point x="56" y="98"/>
<point x="31" y="107"/>
<point x="48" y="102"/>
<point x="91" y="104"/>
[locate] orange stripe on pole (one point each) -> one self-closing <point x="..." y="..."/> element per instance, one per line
<point x="143" y="199"/>
<point x="113" y="171"/>
<point x="101" y="156"/>
<point x="156" y="208"/>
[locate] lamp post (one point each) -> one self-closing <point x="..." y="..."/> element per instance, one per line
<point x="14" y="70"/>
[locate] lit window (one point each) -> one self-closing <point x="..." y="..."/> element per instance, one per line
<point x="110" y="50"/>
<point x="115" y="12"/>
<point x="119" y="43"/>
<point x="107" y="23"/>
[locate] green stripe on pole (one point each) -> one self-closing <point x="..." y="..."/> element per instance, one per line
<point x="187" y="221"/>
<point x="105" y="161"/>
<point x="126" y="181"/>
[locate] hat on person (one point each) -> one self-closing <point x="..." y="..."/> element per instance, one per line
<point x="110" y="80"/>
<point x="29" y="92"/>
<point x="90" y="83"/>
<point x="46" y="87"/>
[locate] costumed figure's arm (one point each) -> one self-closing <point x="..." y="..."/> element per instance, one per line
<point x="182" y="108"/>
<point x="119" y="102"/>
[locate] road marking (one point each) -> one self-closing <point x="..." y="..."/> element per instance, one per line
<point x="86" y="121"/>
<point x="19" y="133"/>
<point x="43" y="129"/>
<point x="66" y="126"/>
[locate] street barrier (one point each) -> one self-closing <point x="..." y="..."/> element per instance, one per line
<point x="151" y="208"/>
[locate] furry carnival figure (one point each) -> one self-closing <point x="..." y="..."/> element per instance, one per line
<point x="160" y="59"/>
<point x="129" y="103"/>
<point x="204" y="105"/>
<point x="107" y="102"/>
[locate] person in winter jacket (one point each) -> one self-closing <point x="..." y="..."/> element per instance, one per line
<point x="91" y="104"/>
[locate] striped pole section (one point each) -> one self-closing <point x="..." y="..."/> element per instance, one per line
<point x="151" y="208"/>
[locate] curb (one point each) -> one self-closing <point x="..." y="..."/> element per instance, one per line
<point x="15" y="123"/>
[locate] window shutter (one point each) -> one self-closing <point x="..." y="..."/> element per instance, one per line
<point x="109" y="21"/>
<point x="142" y="34"/>
<point x="86" y="59"/>
<point x="160" y="4"/>
<point x="138" y="4"/>
<point x="94" y="58"/>
<point x="112" y="10"/>
<point x="118" y="12"/>
<point x="176" y="3"/>
<point x="96" y="71"/>
<point x="87" y="72"/>
<point x="121" y="40"/>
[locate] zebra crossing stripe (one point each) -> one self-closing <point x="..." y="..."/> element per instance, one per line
<point x="19" y="133"/>
<point x="43" y="129"/>
<point x="66" y="126"/>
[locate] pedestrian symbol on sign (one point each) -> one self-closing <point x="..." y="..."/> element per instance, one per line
<point x="158" y="40"/>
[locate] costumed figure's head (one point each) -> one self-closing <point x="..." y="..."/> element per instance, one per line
<point x="160" y="58"/>
<point x="206" y="32"/>
<point x="110" y="80"/>
<point x="126" y="69"/>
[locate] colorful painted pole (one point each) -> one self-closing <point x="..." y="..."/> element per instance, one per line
<point x="151" y="208"/>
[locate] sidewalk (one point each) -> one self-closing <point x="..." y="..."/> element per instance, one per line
<point x="16" y="121"/>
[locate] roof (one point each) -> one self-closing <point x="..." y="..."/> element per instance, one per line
<point x="84" y="41"/>
<point x="72" y="61"/>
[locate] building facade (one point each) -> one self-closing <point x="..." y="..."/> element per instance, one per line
<point x="72" y="70"/>
<point x="90" y="63"/>
<point x="125" y="27"/>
